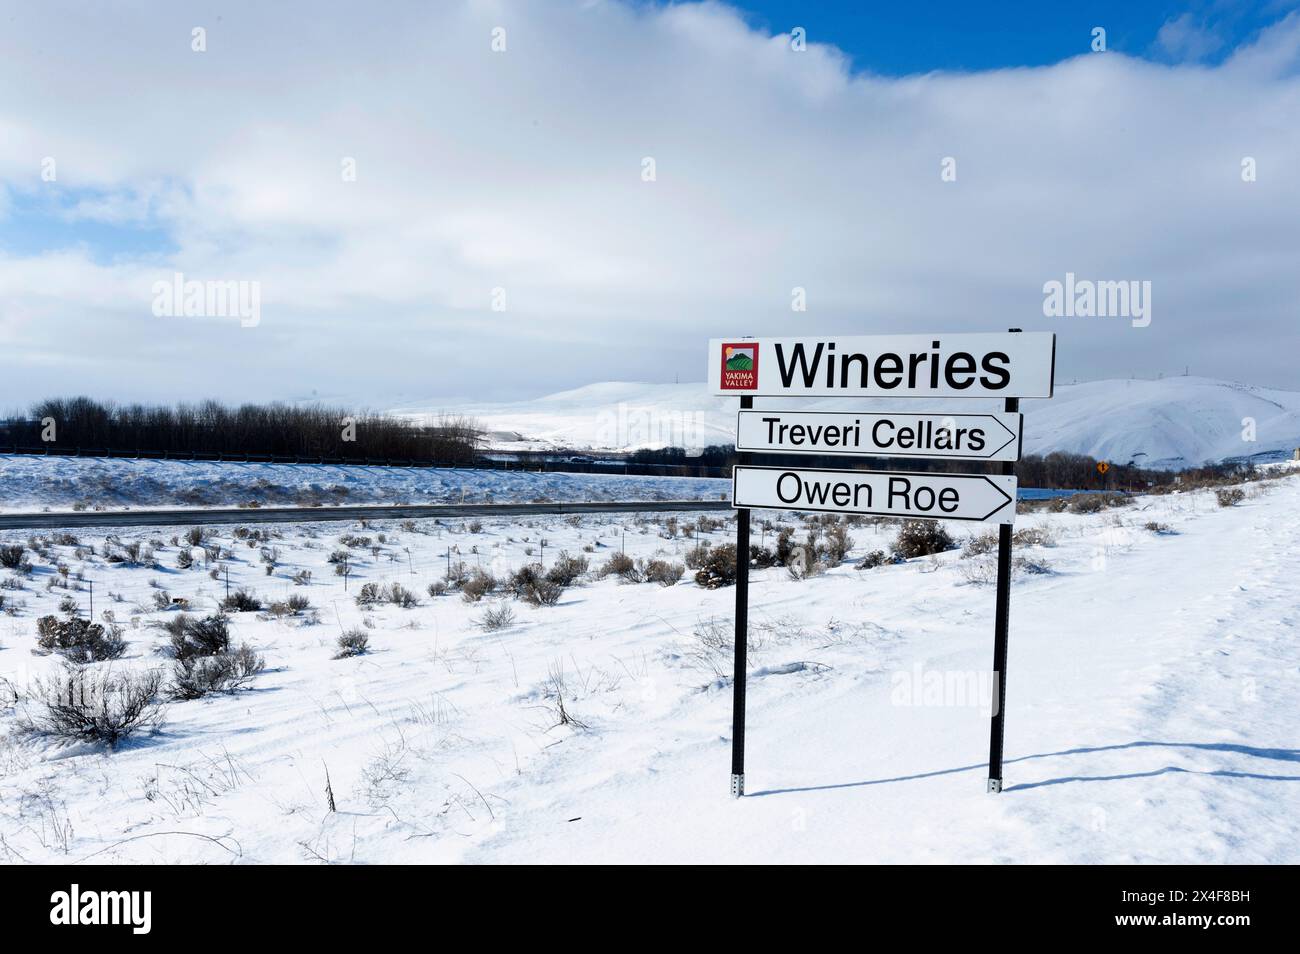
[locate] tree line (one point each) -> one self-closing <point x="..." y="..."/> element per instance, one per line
<point x="212" y="428"/>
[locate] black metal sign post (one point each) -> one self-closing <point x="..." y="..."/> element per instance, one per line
<point x="1001" y="624"/>
<point x="741" y="641"/>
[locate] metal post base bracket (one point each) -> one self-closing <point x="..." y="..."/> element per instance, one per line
<point x="737" y="786"/>
<point x="995" y="786"/>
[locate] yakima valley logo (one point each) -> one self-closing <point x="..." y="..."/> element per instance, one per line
<point x="740" y="366"/>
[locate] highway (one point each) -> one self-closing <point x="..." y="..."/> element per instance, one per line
<point x="196" y="516"/>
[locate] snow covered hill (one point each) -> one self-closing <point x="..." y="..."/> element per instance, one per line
<point x="1169" y="423"/>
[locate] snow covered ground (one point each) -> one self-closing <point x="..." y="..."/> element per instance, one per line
<point x="30" y="483"/>
<point x="1171" y="423"/>
<point x="1154" y="699"/>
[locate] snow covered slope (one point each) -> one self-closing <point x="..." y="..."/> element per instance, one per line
<point x="1153" y="702"/>
<point x="32" y="482"/>
<point x="1173" y="422"/>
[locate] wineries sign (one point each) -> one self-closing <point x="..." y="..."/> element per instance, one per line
<point x="1011" y="366"/>
<point x="978" y="365"/>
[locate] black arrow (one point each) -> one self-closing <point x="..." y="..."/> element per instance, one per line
<point x="1007" y="499"/>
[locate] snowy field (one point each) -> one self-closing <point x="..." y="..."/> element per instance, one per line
<point x="1154" y="700"/>
<point x="30" y="483"/>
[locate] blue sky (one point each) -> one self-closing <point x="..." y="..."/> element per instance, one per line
<point x="49" y="219"/>
<point x="899" y="38"/>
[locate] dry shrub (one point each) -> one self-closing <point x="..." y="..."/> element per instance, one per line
<point x="1034" y="537"/>
<point x="399" y="595"/>
<point x="496" y="617"/>
<point x="663" y="572"/>
<point x="980" y="544"/>
<point x="983" y="570"/>
<point x="544" y="593"/>
<point x="203" y="660"/>
<point x="876" y="558"/>
<point x="713" y="647"/>
<point x="79" y="640"/>
<point x="1085" y="503"/>
<point x="718" y="567"/>
<point x="242" y="601"/>
<point x="197" y="676"/>
<point x="354" y="642"/>
<point x="697" y="555"/>
<point x="620" y="565"/>
<point x="804" y="563"/>
<point x="918" y="538"/>
<point x="836" y="546"/>
<point x="567" y="569"/>
<point x="457" y="574"/>
<point x="1230" y="497"/>
<point x="372" y="593"/>
<point x="531" y="584"/>
<point x="191" y="637"/>
<point x="479" y="584"/>
<point x="92" y="705"/>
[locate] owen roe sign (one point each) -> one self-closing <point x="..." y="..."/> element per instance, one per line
<point x="979" y="498"/>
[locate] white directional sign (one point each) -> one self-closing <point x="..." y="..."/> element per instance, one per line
<point x="1006" y="365"/>
<point x="969" y="436"/>
<point x="976" y="497"/>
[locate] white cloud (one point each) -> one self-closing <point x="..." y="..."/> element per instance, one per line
<point x="522" y="170"/>
<point x="1182" y="38"/>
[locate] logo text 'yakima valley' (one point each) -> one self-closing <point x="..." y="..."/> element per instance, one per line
<point x="740" y="366"/>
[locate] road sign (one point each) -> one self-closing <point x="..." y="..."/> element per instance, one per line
<point x="961" y="365"/>
<point x="1009" y="366"/>
<point x="980" y="498"/>
<point x="968" y="436"/>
